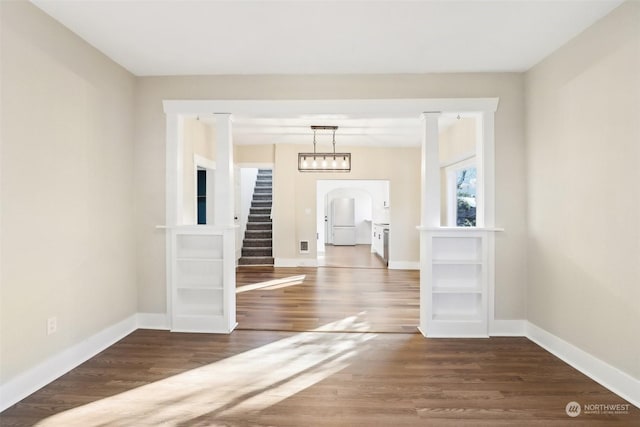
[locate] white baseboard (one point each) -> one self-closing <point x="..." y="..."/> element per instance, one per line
<point x="59" y="364"/>
<point x="153" y="321"/>
<point x="295" y="262"/>
<point x="422" y="332"/>
<point x="502" y="328"/>
<point x="621" y="383"/>
<point x="310" y="262"/>
<point x="508" y="328"/>
<point x="404" y="265"/>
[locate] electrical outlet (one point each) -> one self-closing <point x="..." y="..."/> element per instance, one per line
<point x="52" y="325"/>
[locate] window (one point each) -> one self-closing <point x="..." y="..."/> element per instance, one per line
<point x="202" y="196"/>
<point x="466" y="197"/>
<point x="461" y="194"/>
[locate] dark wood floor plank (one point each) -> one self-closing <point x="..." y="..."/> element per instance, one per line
<point x="316" y="379"/>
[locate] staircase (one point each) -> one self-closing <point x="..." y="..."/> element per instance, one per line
<point x="257" y="244"/>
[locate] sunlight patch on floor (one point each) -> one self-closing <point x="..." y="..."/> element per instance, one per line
<point x="241" y="384"/>
<point x="272" y="284"/>
<point x="357" y="323"/>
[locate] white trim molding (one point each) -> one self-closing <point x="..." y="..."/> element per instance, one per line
<point x="59" y="364"/>
<point x="287" y="107"/>
<point x="295" y="262"/>
<point x="203" y="162"/>
<point x="621" y="383"/>
<point x="404" y="265"/>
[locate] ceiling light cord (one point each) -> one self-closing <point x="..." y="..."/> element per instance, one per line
<point x="314" y="143"/>
<point x="334" y="144"/>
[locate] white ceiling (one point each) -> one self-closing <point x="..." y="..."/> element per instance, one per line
<point x="352" y="130"/>
<point x="325" y="37"/>
<point x="171" y="37"/>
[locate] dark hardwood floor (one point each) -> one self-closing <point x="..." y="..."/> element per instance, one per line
<point x="355" y="375"/>
<point x="328" y="299"/>
<point x="260" y="378"/>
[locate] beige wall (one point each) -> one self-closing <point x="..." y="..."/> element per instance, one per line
<point x="295" y="200"/>
<point x="457" y="140"/>
<point x="67" y="194"/>
<point x="583" y="130"/>
<point x="510" y="180"/>
<point x="198" y="140"/>
<point x="254" y="154"/>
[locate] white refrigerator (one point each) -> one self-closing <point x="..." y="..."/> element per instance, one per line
<point x="343" y="221"/>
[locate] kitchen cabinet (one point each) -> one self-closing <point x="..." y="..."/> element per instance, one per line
<point x="377" y="239"/>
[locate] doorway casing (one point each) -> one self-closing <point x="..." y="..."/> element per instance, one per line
<point x="177" y="110"/>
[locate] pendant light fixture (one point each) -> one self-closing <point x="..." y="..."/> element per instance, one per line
<point x="324" y="162"/>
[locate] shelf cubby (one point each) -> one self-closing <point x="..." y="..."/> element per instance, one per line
<point x="452" y="305"/>
<point x="456" y="276"/>
<point x="199" y="246"/>
<point x="462" y="249"/>
<point x="192" y="273"/>
<point x="199" y="302"/>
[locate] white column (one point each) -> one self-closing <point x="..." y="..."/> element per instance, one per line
<point x="429" y="211"/>
<point x="224" y="195"/>
<point x="174" y="165"/>
<point x="485" y="179"/>
<point x="173" y="193"/>
<point x="430" y="174"/>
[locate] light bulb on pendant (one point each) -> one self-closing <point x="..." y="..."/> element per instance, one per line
<point x="305" y="163"/>
<point x="344" y="162"/>
<point x="314" y="164"/>
<point x="334" y="164"/>
<point x="324" y="162"/>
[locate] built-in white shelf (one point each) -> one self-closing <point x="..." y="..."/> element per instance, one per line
<point x="203" y="311"/>
<point x="460" y="230"/>
<point x="455" y="275"/>
<point x="457" y="318"/>
<point x="458" y="290"/>
<point x="457" y="261"/>
<point x="202" y="297"/>
<point x="194" y="286"/>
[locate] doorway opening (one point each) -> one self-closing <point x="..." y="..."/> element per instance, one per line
<point x="352" y="221"/>
<point x="203" y="193"/>
<point x="418" y="198"/>
<point x="254" y="215"/>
